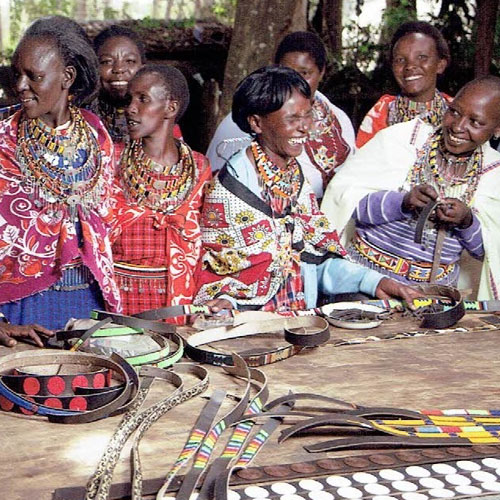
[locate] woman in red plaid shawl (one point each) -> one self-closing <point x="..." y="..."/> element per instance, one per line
<point x="157" y="197"/>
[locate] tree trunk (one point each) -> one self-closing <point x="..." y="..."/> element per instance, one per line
<point x="259" y="26"/>
<point x="332" y="15"/>
<point x="168" y="10"/>
<point x="156" y="9"/>
<point x="80" y="10"/>
<point x="486" y="18"/>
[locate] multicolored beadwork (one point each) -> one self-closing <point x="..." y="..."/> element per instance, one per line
<point x="158" y="187"/>
<point x="404" y="110"/>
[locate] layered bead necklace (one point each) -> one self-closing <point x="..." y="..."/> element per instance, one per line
<point x="452" y="177"/>
<point x="158" y="187"/>
<point x="404" y="110"/>
<point x="280" y="187"/>
<point x="61" y="165"/>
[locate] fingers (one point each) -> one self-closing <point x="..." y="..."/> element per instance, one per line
<point x="44" y="331"/>
<point x="220" y="304"/>
<point x="6" y="340"/>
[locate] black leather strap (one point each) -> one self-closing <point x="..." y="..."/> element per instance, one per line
<point x="445" y="318"/>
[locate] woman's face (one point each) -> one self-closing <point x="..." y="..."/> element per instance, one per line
<point x="282" y="133"/>
<point x="471" y="119"/>
<point x="304" y="64"/>
<point x="149" y="106"/>
<point x="119" y="60"/>
<point x="416" y="65"/>
<point x="42" y="81"/>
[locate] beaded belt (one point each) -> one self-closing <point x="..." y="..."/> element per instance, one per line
<point x="413" y="270"/>
<point x="129" y="276"/>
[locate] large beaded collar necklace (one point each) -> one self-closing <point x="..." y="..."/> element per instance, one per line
<point x="158" y="187"/>
<point x="280" y="187"/>
<point x="405" y="109"/>
<point x="61" y="165"/>
<point x="442" y="170"/>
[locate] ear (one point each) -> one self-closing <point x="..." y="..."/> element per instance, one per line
<point x="69" y="77"/>
<point x="255" y="123"/>
<point x="442" y="64"/>
<point x="171" y="109"/>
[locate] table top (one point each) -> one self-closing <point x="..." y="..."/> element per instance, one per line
<point x="452" y="369"/>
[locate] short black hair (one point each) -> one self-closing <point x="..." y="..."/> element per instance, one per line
<point x="492" y="82"/>
<point x="265" y="91"/>
<point x="174" y="81"/>
<point x="425" y="29"/>
<point x="75" y="49"/>
<point x="115" y="30"/>
<point x="302" y="41"/>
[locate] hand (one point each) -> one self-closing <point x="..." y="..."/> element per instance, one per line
<point x="389" y="288"/>
<point x="418" y="197"/>
<point x="33" y="332"/>
<point x="217" y="305"/>
<point x="454" y="213"/>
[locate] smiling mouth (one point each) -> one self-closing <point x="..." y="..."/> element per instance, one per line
<point x="25" y="100"/>
<point x="455" y="141"/>
<point x="297" y="140"/>
<point x="119" y="84"/>
<point x="132" y="123"/>
<point x="413" y="78"/>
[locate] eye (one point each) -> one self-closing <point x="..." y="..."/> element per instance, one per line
<point x="423" y="57"/>
<point x="131" y="61"/>
<point x="105" y="62"/>
<point x="476" y="123"/>
<point x="399" y="60"/>
<point x="144" y="98"/>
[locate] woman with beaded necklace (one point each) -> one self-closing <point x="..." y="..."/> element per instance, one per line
<point x="157" y="196"/>
<point x="266" y="244"/>
<point x="56" y="170"/>
<point x="419" y="54"/>
<point x="404" y="168"/>
<point x="121" y="53"/>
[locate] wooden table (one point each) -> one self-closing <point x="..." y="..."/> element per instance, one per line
<point x="450" y="370"/>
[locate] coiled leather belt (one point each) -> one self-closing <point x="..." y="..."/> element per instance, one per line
<point x="112" y="400"/>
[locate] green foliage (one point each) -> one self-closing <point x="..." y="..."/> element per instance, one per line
<point x="225" y="10"/>
<point x="360" y="48"/>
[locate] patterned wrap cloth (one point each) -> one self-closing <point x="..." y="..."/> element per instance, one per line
<point x="384" y="164"/>
<point x="254" y="257"/>
<point x="157" y="254"/>
<point x="36" y="241"/>
<point x="379" y="116"/>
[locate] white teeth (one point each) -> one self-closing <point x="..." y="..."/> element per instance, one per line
<point x="455" y="139"/>
<point x="412" y="78"/>
<point x="297" y="140"/>
<point x="119" y="83"/>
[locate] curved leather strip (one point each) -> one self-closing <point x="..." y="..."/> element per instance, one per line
<point x="257" y="357"/>
<point x="173" y="312"/>
<point x="221" y="484"/>
<point x="145" y="424"/>
<point x="99" y="484"/>
<point x="239" y="369"/>
<point x="155" y="326"/>
<point x="376" y="442"/>
<point x="297" y="396"/>
<point x="313" y="423"/>
<point x="200" y="429"/>
<point x="422" y="220"/>
<point x="238" y="437"/>
<point x="447" y="317"/>
<point x="89" y="333"/>
<point x="43" y="358"/>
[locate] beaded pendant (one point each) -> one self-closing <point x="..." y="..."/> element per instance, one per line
<point x="158" y="187"/>
<point x="279" y="186"/>
<point x="405" y="110"/>
<point x="61" y="166"/>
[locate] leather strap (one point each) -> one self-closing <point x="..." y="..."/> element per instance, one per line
<point x="379" y="442"/>
<point x="436" y="261"/>
<point x="423" y="218"/>
<point x="121" y="369"/>
<point x="290" y="325"/>
<point x="447" y="317"/>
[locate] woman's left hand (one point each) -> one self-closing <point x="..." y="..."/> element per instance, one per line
<point x="454" y="213"/>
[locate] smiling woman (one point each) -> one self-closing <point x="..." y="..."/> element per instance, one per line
<point x="410" y="165"/>
<point x="266" y="244"/>
<point x="419" y="54"/>
<point x="55" y="174"/>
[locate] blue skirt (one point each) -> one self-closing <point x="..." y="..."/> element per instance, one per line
<point x="53" y="308"/>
